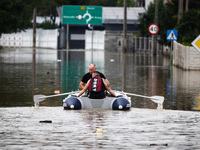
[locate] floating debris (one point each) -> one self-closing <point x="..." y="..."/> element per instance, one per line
<point x="99" y="131"/>
<point x="112" y="60"/>
<point x="164" y="144"/>
<point x="57" y="91"/>
<point x="46" y="121"/>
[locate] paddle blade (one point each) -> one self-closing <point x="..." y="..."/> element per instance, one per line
<point x="37" y="99"/>
<point x="159" y="100"/>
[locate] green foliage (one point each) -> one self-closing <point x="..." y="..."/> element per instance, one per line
<point x="130" y="3"/>
<point x="189" y="27"/>
<point x="146" y="20"/>
<point x="12" y="16"/>
<point x="47" y="25"/>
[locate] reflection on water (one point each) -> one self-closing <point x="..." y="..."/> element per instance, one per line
<point x="21" y="78"/>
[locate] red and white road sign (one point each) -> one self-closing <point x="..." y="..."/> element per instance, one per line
<point x="153" y="29"/>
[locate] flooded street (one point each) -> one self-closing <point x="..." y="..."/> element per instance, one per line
<point x="26" y="72"/>
<point x="134" y="129"/>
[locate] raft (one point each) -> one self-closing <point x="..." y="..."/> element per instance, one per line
<point x="121" y="102"/>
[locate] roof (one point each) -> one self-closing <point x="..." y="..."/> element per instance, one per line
<point x="115" y="15"/>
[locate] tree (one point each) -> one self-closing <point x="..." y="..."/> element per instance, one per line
<point x="180" y="9"/>
<point x="13" y="16"/>
<point x="189" y="26"/>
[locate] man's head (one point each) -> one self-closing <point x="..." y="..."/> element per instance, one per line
<point x="92" y="68"/>
<point x="95" y="74"/>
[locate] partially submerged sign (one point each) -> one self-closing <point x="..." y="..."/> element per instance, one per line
<point x="196" y="43"/>
<point x="82" y="14"/>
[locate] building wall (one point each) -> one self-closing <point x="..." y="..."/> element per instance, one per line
<point x="44" y="39"/>
<point x="186" y="57"/>
<point x="94" y="39"/>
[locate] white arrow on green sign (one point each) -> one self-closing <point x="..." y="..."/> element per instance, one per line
<point x="81" y="14"/>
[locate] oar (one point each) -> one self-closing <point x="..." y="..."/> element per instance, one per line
<point x="39" y="98"/>
<point x="157" y="99"/>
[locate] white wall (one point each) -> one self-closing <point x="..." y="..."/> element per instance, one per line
<point x="44" y="39"/>
<point x="185" y="57"/>
<point x="98" y="39"/>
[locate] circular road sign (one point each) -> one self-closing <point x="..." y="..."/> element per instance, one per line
<point x="153" y="29"/>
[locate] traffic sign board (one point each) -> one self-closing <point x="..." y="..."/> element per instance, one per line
<point x="153" y="29"/>
<point x="81" y="14"/>
<point x="172" y="35"/>
<point x="196" y="43"/>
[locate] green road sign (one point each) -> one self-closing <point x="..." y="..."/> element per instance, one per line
<point x="81" y="14"/>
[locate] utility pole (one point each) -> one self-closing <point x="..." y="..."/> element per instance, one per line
<point x="34" y="27"/>
<point x="123" y="54"/>
<point x="125" y="27"/>
<point x="156" y="22"/>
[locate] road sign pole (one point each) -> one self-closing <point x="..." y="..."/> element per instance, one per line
<point x="172" y="36"/>
<point x="152" y="43"/>
<point x="153" y="30"/>
<point x="67" y="46"/>
<point x="171" y="53"/>
<point x="92" y="42"/>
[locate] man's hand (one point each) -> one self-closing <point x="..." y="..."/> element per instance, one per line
<point x="81" y="85"/>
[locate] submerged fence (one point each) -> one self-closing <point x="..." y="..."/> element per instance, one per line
<point x="114" y="42"/>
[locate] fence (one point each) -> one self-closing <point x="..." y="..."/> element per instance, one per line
<point x="142" y="43"/>
<point x="114" y="42"/>
<point x="44" y="39"/>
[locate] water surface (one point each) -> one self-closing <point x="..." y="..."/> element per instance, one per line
<point x="134" y="129"/>
<point x="27" y="72"/>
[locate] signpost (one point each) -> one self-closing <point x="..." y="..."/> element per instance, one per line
<point x="172" y="36"/>
<point x="153" y="30"/>
<point x="82" y="14"/>
<point x="196" y="43"/>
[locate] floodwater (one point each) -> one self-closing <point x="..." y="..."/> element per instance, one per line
<point x="26" y="72"/>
